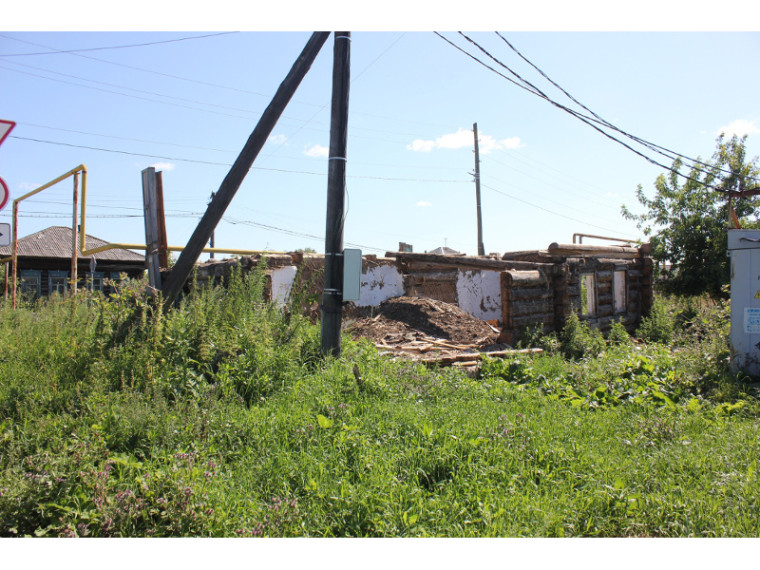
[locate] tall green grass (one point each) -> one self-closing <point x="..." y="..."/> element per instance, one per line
<point x="220" y="418"/>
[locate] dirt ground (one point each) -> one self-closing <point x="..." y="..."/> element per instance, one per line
<point x="407" y="319"/>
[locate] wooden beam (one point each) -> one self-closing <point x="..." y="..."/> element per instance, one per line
<point x="163" y="244"/>
<point x="231" y="183"/>
<point x="463" y="262"/>
<point x="574" y="250"/>
<point x="151" y="227"/>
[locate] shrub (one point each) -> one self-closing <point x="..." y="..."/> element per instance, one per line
<point x="659" y="325"/>
<point x="577" y="340"/>
<point x="618" y="334"/>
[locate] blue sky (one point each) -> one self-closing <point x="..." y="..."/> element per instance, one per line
<point x="187" y="107"/>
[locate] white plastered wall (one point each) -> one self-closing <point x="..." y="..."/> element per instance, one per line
<point x="479" y="294"/>
<point x="380" y="283"/>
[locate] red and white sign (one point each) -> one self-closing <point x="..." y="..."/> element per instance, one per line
<point x="4" y="194"/>
<point x="5" y="128"/>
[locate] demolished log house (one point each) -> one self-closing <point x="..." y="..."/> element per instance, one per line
<point x="521" y="290"/>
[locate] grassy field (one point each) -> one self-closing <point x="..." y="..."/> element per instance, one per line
<point x="220" y="418"/>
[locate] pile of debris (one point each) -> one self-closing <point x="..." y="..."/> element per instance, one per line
<point x="431" y="331"/>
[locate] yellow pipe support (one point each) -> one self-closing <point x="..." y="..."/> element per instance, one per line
<point x="178" y="248"/>
<point x="74" y="171"/>
<point x="83" y="233"/>
<point x="80" y="168"/>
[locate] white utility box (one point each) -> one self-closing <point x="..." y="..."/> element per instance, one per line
<point x="744" y="249"/>
<point x="352" y="274"/>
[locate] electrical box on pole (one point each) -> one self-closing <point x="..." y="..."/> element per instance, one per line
<point x="352" y="274"/>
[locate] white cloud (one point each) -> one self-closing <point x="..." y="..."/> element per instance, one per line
<point x="28" y="186"/>
<point x="423" y="204"/>
<point x="421" y="146"/>
<point x="278" y="139"/>
<point x="740" y="127"/>
<point x="164" y="166"/>
<point x="317" y="150"/>
<point x="463" y="139"/>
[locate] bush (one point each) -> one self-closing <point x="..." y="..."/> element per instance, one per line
<point x="659" y="325"/>
<point x="618" y="334"/>
<point x="577" y="340"/>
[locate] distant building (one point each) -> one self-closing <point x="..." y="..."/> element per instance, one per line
<point x="44" y="263"/>
<point x="444" y="251"/>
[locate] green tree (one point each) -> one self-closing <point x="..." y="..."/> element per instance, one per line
<point x="688" y="218"/>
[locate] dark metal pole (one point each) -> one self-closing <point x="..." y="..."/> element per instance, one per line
<point x="240" y="168"/>
<point x="481" y="247"/>
<point x="332" y="297"/>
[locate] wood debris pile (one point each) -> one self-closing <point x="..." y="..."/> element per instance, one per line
<point x="431" y="331"/>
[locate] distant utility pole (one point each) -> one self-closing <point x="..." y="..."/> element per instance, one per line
<point x="332" y="296"/>
<point x="481" y="247"/>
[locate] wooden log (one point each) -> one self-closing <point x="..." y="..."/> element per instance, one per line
<point x="473" y="357"/>
<point x="531" y="293"/>
<point x="522" y="308"/>
<point x="461" y="262"/>
<point x="613" y="251"/>
<point x="514" y="278"/>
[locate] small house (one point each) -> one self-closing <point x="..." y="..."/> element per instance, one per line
<point x="44" y="263"/>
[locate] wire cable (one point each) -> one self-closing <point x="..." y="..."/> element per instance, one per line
<point x="526" y="85"/>
<point x="657" y="148"/>
<point x="552" y="211"/>
<point x="79" y="50"/>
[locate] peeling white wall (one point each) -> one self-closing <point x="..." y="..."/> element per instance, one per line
<point x="282" y="283"/>
<point x="479" y="293"/>
<point x="380" y="283"/>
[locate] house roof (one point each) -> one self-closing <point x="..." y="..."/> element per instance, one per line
<point x="443" y="250"/>
<point x="55" y="242"/>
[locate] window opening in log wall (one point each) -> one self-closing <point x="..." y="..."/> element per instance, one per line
<point x="620" y="291"/>
<point x="588" y="295"/>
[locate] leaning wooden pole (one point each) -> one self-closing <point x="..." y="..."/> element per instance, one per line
<point x="231" y="183"/>
<point x="332" y="297"/>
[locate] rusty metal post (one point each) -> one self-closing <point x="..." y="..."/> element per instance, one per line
<point x="74" y="235"/>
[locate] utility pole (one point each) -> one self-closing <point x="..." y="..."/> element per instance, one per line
<point x="332" y="296"/>
<point x="231" y="183"/>
<point x="481" y="247"/>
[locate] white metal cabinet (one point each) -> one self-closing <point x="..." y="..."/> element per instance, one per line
<point x="744" y="249"/>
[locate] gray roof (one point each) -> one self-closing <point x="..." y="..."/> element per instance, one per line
<point x="55" y="242"/>
<point x="444" y="251"/>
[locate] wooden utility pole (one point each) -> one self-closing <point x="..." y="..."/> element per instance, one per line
<point x="240" y="168"/>
<point x="150" y="210"/>
<point x="481" y="247"/>
<point x="332" y="296"/>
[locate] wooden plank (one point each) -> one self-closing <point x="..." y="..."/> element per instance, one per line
<point x="472" y="357"/>
<point x="152" y="258"/>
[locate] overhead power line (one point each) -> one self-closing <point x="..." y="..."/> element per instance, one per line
<point x="657" y="148"/>
<point x="126" y="46"/>
<point x="212" y="163"/>
<point x="593" y="122"/>
<point x="614" y="231"/>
